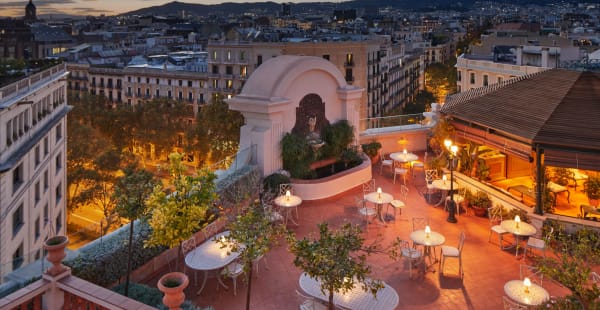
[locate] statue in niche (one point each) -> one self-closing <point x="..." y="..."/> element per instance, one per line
<point x="313" y="138"/>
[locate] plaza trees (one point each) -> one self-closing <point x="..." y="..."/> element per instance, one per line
<point x="337" y="258"/>
<point x="216" y="133"/>
<point x="177" y="215"/>
<point x="440" y="80"/>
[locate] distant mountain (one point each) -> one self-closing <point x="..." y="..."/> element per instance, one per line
<point x="175" y="8"/>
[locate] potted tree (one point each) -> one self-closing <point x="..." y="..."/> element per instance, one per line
<point x="372" y="150"/>
<point x="592" y="189"/>
<point x="172" y="285"/>
<point x="55" y="246"/>
<point x="480" y="202"/>
<point x="341" y="263"/>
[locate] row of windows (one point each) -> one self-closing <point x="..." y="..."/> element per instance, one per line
<point x="157" y="81"/>
<point x="229" y="70"/>
<point x="18" y="254"/>
<point x="228" y="55"/>
<point x="18" y="173"/>
<point x="20" y="124"/>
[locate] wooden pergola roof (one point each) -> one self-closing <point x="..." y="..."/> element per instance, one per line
<point x="558" y="110"/>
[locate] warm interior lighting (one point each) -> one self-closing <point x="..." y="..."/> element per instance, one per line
<point x="287" y="195"/>
<point x="517" y="221"/>
<point x="526" y="285"/>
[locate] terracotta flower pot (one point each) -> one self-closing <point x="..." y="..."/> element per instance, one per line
<point x="172" y="285"/>
<point x="55" y="246"/>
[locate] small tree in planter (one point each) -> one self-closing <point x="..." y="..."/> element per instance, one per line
<point x="480" y="202"/>
<point x="251" y="235"/>
<point x="372" y="150"/>
<point x="337" y="259"/>
<point x="592" y="189"/>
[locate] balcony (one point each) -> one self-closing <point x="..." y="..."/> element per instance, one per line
<point x="71" y="292"/>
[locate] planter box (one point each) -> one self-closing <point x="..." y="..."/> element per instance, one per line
<point x="333" y="185"/>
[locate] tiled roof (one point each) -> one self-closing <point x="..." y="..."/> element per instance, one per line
<point x="557" y="107"/>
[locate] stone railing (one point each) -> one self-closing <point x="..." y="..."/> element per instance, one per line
<point x="65" y="291"/>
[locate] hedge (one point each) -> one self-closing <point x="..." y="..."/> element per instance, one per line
<point x="106" y="262"/>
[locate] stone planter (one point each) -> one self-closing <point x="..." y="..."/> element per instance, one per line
<point x="55" y="246"/>
<point x="172" y="285"/>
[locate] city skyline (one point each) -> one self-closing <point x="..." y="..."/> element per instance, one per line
<point x="107" y="7"/>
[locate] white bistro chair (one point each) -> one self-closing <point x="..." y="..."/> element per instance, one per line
<point x="456" y="252"/>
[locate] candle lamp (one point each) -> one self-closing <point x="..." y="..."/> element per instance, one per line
<point x="526" y="285"/>
<point x="287" y="195"/>
<point x="444" y="178"/>
<point x="517" y="221"/>
<point x="379" y="192"/>
<point x="427" y="231"/>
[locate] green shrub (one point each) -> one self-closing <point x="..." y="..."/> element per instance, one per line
<point x="105" y="262"/>
<point x="152" y="296"/>
<point x="145" y="294"/>
<point x="271" y="182"/>
<point x="337" y="137"/>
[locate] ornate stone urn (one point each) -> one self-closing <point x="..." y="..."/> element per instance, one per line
<point x="172" y="285"/>
<point x="55" y="246"/>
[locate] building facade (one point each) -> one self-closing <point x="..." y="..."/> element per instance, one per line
<point x="390" y="76"/>
<point x="33" y="177"/>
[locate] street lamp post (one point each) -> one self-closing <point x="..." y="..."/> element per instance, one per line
<point x="452" y="204"/>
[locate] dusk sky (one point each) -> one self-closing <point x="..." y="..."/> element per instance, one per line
<point x="96" y="7"/>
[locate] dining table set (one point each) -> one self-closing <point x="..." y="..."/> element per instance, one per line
<point x="355" y="298"/>
<point x="520" y="230"/>
<point x="212" y="255"/>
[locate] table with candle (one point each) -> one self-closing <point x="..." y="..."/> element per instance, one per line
<point x="209" y="256"/>
<point x="404" y="157"/>
<point x="289" y="202"/>
<point x="428" y="239"/>
<point x="379" y="198"/>
<point x="444" y="185"/>
<point x="519" y="229"/>
<point x="525" y="292"/>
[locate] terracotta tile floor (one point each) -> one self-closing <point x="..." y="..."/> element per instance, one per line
<point x="486" y="267"/>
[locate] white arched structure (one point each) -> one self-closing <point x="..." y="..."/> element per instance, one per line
<point x="271" y="95"/>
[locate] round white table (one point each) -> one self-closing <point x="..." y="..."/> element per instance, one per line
<point x="444" y="186"/>
<point x="427" y="241"/>
<point x="523" y="230"/>
<point x="403" y="158"/>
<point x="379" y="199"/>
<point x="515" y="290"/>
<point x="289" y="203"/>
<point x="210" y="255"/>
<point x="356" y="298"/>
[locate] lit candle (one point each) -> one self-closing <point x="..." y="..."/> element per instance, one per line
<point x="527" y="285"/>
<point x="223" y="239"/>
<point x="444" y="178"/>
<point x="517" y="221"/>
<point x="287" y="195"/>
<point x="379" y="192"/>
<point x="404" y="152"/>
<point x="427" y="231"/>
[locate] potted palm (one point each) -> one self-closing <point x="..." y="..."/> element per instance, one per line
<point x="592" y="189"/>
<point x="372" y="150"/>
<point x="480" y="202"/>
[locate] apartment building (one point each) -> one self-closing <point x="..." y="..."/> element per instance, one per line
<point x="499" y="58"/>
<point x="390" y="76"/>
<point x="33" y="177"/>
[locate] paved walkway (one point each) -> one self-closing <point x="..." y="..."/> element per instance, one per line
<point x="486" y="267"/>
